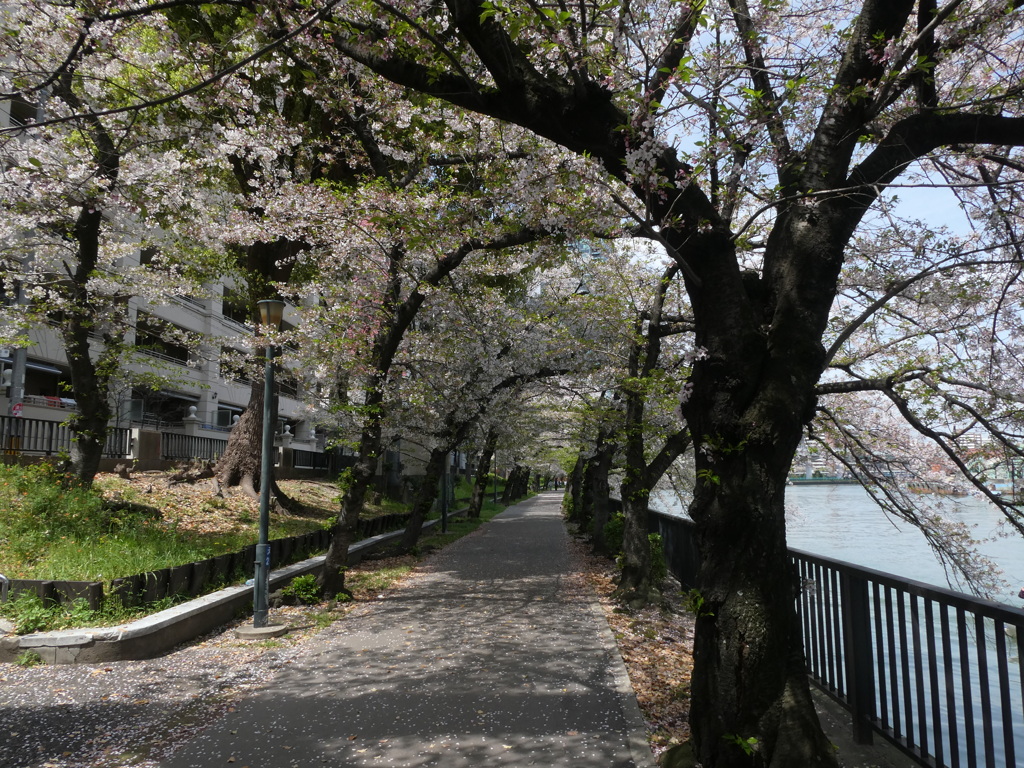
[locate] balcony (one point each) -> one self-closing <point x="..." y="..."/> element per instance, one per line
<point x="45" y="401"/>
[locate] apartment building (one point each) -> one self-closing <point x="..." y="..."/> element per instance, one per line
<point x="197" y="390"/>
<point x="201" y="392"/>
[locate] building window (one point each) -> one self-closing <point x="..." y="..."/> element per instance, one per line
<point x="22" y="111"/>
<point x="226" y="415"/>
<point x="151" y="338"/>
<point x="158" y="408"/>
<point x="236" y="306"/>
<point x="236" y="365"/>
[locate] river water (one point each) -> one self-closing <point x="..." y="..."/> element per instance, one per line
<point x="843" y="522"/>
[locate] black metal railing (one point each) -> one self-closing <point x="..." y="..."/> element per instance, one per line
<point x="302" y="459"/>
<point x="936" y="672"/>
<point x="41" y="437"/>
<point x="34" y="437"/>
<point x="176" y="446"/>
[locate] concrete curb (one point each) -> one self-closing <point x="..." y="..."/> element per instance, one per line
<point x="639" y="746"/>
<point x="160" y="632"/>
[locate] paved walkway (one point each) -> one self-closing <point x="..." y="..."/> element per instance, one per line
<point x="494" y="657"/>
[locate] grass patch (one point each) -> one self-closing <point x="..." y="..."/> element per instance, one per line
<point x="121" y="527"/>
<point x="30" y="614"/>
<point x="367" y="584"/>
<point x="29" y="659"/>
<point x="125" y="551"/>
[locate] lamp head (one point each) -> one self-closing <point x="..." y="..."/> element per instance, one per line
<point x="271" y="312"/>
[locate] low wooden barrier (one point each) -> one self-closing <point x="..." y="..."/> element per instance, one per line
<point x="192" y="579"/>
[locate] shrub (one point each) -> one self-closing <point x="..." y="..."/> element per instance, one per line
<point x="31" y="614"/>
<point x="613" y="531"/>
<point x="38" y="500"/>
<point x="28" y="612"/>
<point x="659" y="569"/>
<point x="304" y="589"/>
<point x="567" y="506"/>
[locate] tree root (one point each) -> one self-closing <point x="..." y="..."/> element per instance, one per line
<point x="247" y="483"/>
<point x="193" y="473"/>
<point x="285" y="503"/>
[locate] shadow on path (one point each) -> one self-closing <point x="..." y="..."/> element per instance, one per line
<point x="490" y="657"/>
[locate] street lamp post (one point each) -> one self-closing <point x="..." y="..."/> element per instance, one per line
<point x="445" y="482"/>
<point x="271" y="312"/>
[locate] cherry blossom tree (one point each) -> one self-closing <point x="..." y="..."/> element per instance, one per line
<point x="639" y="332"/>
<point x="590" y="419"/>
<point x="758" y="145"/>
<point x="476" y="358"/>
<point x="756" y="141"/>
<point x="924" y="376"/>
<point x="81" y="197"/>
<point x="442" y="197"/>
<point x="309" y="167"/>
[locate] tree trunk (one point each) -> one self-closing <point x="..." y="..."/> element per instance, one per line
<point x="90" y="380"/>
<point x="91" y="391"/>
<point x="483" y="469"/>
<point x="506" y="492"/>
<point x="239" y="465"/>
<point x="516" y="485"/>
<point x="585" y="514"/>
<point x="425" y="497"/>
<point x="264" y="263"/>
<point x="636" y="587"/>
<point x="574" y="489"/>
<point x="523" y="484"/>
<point x="87" y="447"/>
<point x="89" y="426"/>
<point x="355" y="482"/>
<point x="751" y="396"/>
<point x="599" y="468"/>
<point x="750" y="680"/>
